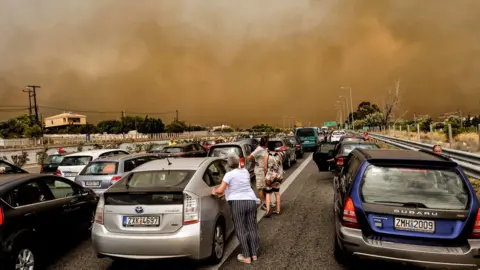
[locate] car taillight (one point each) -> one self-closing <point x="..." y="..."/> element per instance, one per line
<point x="298" y="146"/>
<point x="349" y="216"/>
<point x="476" y="226"/>
<point x="283" y="148"/>
<point x="242" y="162"/>
<point x="99" y="211"/>
<point x="190" y="211"/>
<point x="115" y="179"/>
<point x="58" y="172"/>
<point x="340" y="162"/>
<point x="1" y="216"/>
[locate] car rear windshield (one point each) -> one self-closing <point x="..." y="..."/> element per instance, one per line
<point x="155" y="179"/>
<point x="338" y="133"/>
<point x="54" y="159"/>
<point x="305" y="132"/>
<point x="347" y="148"/>
<point x="274" y="144"/>
<point x="76" y="161"/>
<point x="223" y="151"/>
<point x="173" y="150"/>
<point x="428" y="188"/>
<point x="100" y="168"/>
<point x="158" y="147"/>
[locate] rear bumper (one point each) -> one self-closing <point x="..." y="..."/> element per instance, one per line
<point x="183" y="243"/>
<point x="353" y="243"/>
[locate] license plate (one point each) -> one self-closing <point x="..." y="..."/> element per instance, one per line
<point x="141" y="221"/>
<point x="306" y="141"/>
<point x="415" y="225"/>
<point x="70" y="174"/>
<point x="92" y="183"/>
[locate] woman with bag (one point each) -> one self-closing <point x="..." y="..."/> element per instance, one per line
<point x="273" y="179"/>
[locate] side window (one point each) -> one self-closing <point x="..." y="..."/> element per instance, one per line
<point x="353" y="165"/>
<point x="128" y="165"/>
<point x="190" y="148"/>
<point x="225" y="166"/>
<point x="60" y="188"/>
<point x="247" y="149"/>
<point x="139" y="161"/>
<point x="198" y="147"/>
<point x="216" y="173"/>
<point x="25" y="194"/>
<point x="122" y="153"/>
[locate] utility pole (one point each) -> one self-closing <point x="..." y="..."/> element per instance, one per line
<point x="176" y="117"/>
<point x="29" y="91"/>
<point x="33" y="88"/>
<point x="123" y="122"/>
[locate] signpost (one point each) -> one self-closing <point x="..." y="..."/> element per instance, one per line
<point x="330" y="124"/>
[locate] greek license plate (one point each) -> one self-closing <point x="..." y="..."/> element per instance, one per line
<point x="415" y="225"/>
<point x="141" y="221"/>
<point x="306" y="141"/>
<point x="70" y="174"/>
<point x="92" y="183"/>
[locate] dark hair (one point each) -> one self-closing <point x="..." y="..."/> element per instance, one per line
<point x="263" y="141"/>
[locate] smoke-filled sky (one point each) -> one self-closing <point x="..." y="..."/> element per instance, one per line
<point x="239" y="62"/>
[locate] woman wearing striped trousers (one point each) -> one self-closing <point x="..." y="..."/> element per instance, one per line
<point x="243" y="205"/>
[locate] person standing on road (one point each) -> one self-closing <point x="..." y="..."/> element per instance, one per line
<point x="172" y="142"/>
<point x="260" y="156"/>
<point x="273" y="179"/>
<point x="242" y="201"/>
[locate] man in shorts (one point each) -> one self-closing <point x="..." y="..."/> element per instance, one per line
<point x="259" y="155"/>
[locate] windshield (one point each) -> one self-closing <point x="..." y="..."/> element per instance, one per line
<point x="305" y="132"/>
<point x="100" y="168"/>
<point x="164" y="178"/>
<point x="430" y="188"/>
<point x="352" y="139"/>
<point x="172" y="150"/>
<point x="54" y="159"/>
<point x="76" y="161"/>
<point x="347" y="148"/>
<point x="6" y="168"/>
<point x="336" y="133"/>
<point x="224" y="151"/>
<point x="158" y="147"/>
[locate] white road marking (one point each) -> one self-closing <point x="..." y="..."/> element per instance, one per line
<point x="233" y="243"/>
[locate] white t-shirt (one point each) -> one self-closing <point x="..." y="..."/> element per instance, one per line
<point x="239" y="188"/>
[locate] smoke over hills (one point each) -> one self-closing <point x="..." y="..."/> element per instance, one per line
<point x="239" y="62"/>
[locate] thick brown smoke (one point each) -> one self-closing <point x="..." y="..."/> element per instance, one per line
<point x="239" y="62"/>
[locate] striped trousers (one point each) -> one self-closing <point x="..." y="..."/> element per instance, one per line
<point x="244" y="214"/>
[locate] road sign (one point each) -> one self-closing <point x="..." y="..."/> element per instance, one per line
<point x="330" y="124"/>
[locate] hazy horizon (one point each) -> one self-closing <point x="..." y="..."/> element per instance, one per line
<point x="239" y="63"/>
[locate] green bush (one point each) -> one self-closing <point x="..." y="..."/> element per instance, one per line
<point x="80" y="147"/>
<point x="20" y="160"/>
<point x="149" y="146"/>
<point x="42" y="156"/>
<point x="138" y="147"/>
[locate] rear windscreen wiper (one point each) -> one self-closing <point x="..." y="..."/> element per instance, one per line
<point x="405" y="204"/>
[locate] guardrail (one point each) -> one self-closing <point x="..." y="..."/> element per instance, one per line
<point x="470" y="162"/>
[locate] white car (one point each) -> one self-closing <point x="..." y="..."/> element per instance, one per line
<point x="337" y="135"/>
<point x="73" y="164"/>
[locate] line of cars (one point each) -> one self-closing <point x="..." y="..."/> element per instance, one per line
<point x="134" y="206"/>
<point x="402" y="206"/>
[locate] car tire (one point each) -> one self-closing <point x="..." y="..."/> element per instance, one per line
<point x="289" y="163"/>
<point x="338" y="253"/>
<point x="218" y="244"/>
<point x="23" y="253"/>
<point x="295" y="157"/>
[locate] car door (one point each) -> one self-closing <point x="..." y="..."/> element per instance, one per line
<point x="344" y="181"/>
<point x="199" y="150"/>
<point x="211" y="205"/>
<point x="77" y="209"/>
<point x="33" y="209"/>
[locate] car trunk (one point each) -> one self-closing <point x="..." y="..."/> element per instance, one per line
<point x="139" y="211"/>
<point x="98" y="174"/>
<point x="95" y="181"/>
<point x="417" y="206"/>
<point x="49" y="168"/>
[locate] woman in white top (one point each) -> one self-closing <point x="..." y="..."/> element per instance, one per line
<point x="243" y="205"/>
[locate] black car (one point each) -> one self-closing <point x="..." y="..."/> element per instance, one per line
<point x="351" y="138"/>
<point x="183" y="150"/>
<point x="342" y="150"/>
<point x="51" y="164"/>
<point x="8" y="168"/>
<point x="286" y="147"/>
<point x="298" y="145"/>
<point x="251" y="141"/>
<point x="36" y="210"/>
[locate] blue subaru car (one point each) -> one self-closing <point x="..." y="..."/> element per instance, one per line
<point x="410" y="207"/>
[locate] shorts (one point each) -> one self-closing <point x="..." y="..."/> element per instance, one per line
<point x="260" y="180"/>
<point x="271" y="190"/>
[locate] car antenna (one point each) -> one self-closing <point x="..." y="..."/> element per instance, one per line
<point x="168" y="160"/>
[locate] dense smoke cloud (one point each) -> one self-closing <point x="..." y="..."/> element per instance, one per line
<point x="239" y="62"/>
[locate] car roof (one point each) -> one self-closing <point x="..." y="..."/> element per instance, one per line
<point x="8" y="178"/>
<point x="239" y="143"/>
<point x="357" y="142"/>
<point x="176" y="164"/>
<point x="178" y="145"/>
<point x="405" y="156"/>
<point x="119" y="157"/>
<point x="276" y="139"/>
<point x="93" y="152"/>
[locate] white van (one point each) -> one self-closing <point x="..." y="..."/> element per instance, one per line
<point x="73" y="164"/>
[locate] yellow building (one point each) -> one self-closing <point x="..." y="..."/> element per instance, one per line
<point x="65" y="119"/>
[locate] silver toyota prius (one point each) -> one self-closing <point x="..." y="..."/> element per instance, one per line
<point x="164" y="209"/>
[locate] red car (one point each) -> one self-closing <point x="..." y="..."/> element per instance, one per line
<point x="209" y="143"/>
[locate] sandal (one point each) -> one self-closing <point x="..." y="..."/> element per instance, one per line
<point x="242" y="259"/>
<point x="276" y="212"/>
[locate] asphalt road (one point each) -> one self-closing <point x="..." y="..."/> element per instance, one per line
<point x="300" y="238"/>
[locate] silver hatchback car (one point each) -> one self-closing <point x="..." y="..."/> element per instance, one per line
<point x="164" y="209"/>
<point x="101" y="173"/>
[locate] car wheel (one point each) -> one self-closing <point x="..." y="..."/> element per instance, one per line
<point x="289" y="163"/>
<point x="294" y="157"/>
<point x="218" y="244"/>
<point x="23" y="257"/>
<point x="338" y="252"/>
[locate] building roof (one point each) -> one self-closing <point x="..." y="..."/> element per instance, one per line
<point x="65" y="114"/>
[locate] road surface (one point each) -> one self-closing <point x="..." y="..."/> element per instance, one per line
<point x="300" y="238"/>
